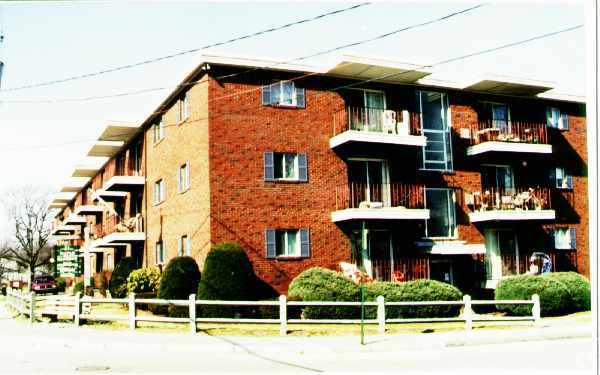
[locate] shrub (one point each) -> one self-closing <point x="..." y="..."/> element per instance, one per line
<point x="320" y="284"/>
<point x="118" y="280"/>
<point x="61" y="284"/>
<point x="578" y="287"/>
<point x="143" y="280"/>
<point x="417" y="290"/>
<point x="78" y="287"/>
<point x="554" y="296"/>
<point x="227" y="275"/>
<point x="179" y="279"/>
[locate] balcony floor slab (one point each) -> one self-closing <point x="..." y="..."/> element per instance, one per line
<point x="493" y="146"/>
<point x="385" y="213"/>
<point x="511" y="215"/>
<point x="377" y="138"/>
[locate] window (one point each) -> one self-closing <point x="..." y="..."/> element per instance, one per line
<point x="560" y="178"/>
<point x="159" y="130"/>
<point x="183" y="110"/>
<point x="435" y="120"/>
<point x="159" y="191"/>
<point x="287" y="243"/>
<point x="184" y="177"/>
<point x="109" y="262"/>
<point x="159" y="252"/>
<point x="501" y="117"/>
<point x="498" y="178"/>
<point x="184" y="246"/>
<point x="283" y="93"/>
<point x="285" y="167"/>
<point x="442" y="214"/>
<point x="564" y="238"/>
<point x="556" y="119"/>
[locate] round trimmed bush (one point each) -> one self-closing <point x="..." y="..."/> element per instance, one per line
<point x="143" y="280"/>
<point x="578" y="287"/>
<point x="227" y="275"/>
<point x="118" y="279"/>
<point x="78" y="287"/>
<point x="179" y="279"/>
<point x="320" y="284"/>
<point x="416" y="290"/>
<point x="554" y="295"/>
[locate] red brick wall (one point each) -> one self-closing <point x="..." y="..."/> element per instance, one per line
<point x="243" y="205"/>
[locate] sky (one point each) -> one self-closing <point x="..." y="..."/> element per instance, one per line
<point x="42" y="142"/>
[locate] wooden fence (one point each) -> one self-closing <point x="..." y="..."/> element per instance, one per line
<point x="33" y="306"/>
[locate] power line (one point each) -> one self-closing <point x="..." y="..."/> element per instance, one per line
<point x="354" y="83"/>
<point x="320" y="53"/>
<point x="186" y="52"/>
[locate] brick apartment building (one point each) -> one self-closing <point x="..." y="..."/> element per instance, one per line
<point x="368" y="161"/>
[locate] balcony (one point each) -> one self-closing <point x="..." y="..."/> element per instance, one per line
<point x="510" y="205"/>
<point x="74" y="219"/>
<point x="512" y="136"/>
<point x="391" y="201"/>
<point x="117" y="232"/>
<point x="376" y="126"/>
<point x="109" y="196"/>
<point x="61" y="230"/>
<point x="126" y="179"/>
<point x="504" y="265"/>
<point x="89" y="210"/>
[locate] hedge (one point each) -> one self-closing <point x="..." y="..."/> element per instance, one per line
<point x="555" y="298"/>
<point x="118" y="280"/>
<point x="227" y="275"/>
<point x="578" y="287"/>
<point x="61" y="284"/>
<point x="143" y="280"/>
<point x="78" y="287"/>
<point x="179" y="279"/>
<point x="417" y="290"/>
<point x="320" y="284"/>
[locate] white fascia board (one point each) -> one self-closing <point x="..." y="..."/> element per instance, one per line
<point x="511" y="215"/>
<point x="493" y="146"/>
<point x="385" y="213"/>
<point x="377" y="137"/>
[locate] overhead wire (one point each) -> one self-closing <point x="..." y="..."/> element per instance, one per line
<point x="446" y="61"/>
<point x="185" y="52"/>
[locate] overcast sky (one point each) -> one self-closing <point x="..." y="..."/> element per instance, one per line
<point x="41" y="142"/>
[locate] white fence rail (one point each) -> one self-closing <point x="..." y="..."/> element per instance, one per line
<point x="79" y="309"/>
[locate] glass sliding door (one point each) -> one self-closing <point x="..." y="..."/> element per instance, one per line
<point x="374" y="106"/>
<point x="442" y="213"/>
<point x="369" y="181"/>
<point x="373" y="252"/>
<point x="437" y="153"/>
<point x="502" y="253"/>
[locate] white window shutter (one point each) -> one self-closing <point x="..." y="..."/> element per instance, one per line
<point x="180" y="250"/>
<point x="302" y="167"/>
<point x="304" y="243"/>
<point x="269" y="166"/>
<point x="188" y="244"/>
<point x="270" y="243"/>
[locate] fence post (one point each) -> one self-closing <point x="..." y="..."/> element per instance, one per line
<point x="381" y="314"/>
<point x="282" y="315"/>
<point x="193" y="314"/>
<point x="77" y="309"/>
<point x="31" y="308"/>
<point x="468" y="313"/>
<point x="132" y="323"/>
<point x="536" y="311"/>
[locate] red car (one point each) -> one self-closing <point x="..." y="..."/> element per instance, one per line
<point x="44" y="284"/>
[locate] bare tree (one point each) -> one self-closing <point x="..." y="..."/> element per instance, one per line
<point x="30" y="218"/>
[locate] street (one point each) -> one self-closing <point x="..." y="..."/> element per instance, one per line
<point x="62" y="349"/>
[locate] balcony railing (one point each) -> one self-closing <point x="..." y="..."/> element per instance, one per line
<point x="401" y="269"/>
<point x="363" y="195"/>
<point x="511" y="131"/>
<point x="387" y="121"/>
<point x="513" y="266"/>
<point x="538" y="198"/>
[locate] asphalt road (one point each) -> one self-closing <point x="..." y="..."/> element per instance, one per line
<point x="53" y="350"/>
